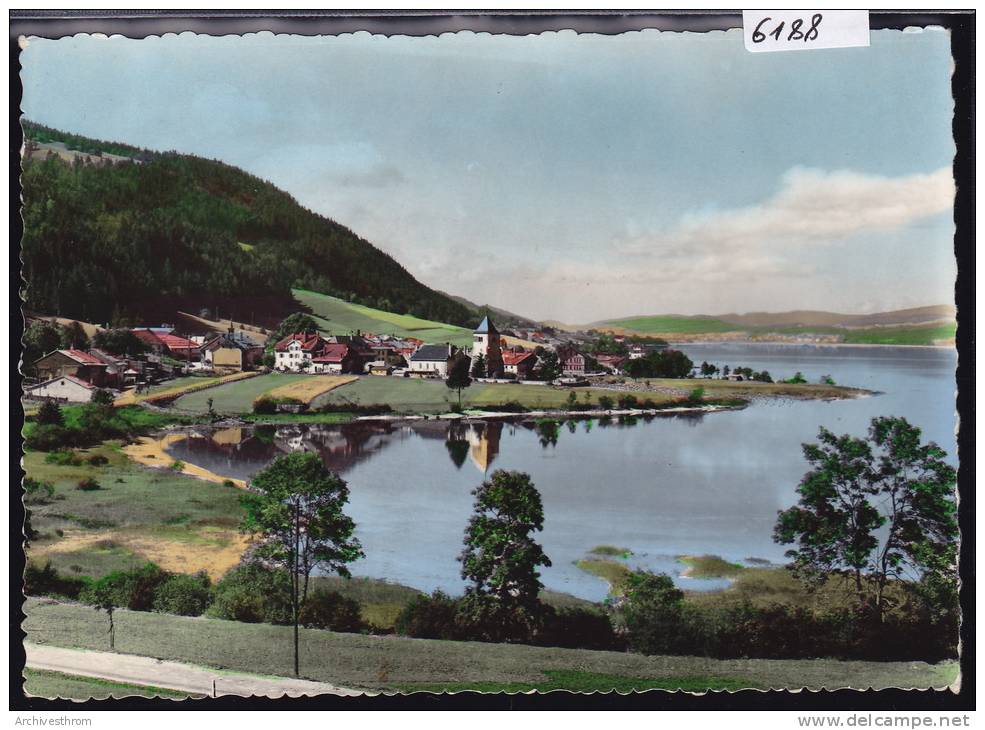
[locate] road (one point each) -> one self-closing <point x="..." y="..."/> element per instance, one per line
<point x="152" y="672"/>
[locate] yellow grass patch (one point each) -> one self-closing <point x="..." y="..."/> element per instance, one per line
<point x="308" y="389"/>
<point x="151" y="452"/>
<point x="129" y="398"/>
<point x="216" y="551"/>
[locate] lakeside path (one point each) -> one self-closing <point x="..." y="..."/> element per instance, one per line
<point x="150" y="672"/>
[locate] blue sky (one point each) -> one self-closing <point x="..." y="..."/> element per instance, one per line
<point x="566" y="176"/>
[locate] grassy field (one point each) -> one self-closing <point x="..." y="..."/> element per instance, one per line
<point x="432" y="396"/>
<point x="235" y="397"/>
<point x="340" y="317"/>
<point x="902" y="335"/>
<point x="709" y="566"/>
<point x="670" y="325"/>
<point x="52" y="685"/>
<point x="136" y="515"/>
<point x="178" y="386"/>
<point x="612" y="572"/>
<point x="371" y="662"/>
<point x="310" y="388"/>
<point x="575" y="681"/>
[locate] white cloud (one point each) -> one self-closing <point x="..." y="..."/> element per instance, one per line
<point x="812" y="207"/>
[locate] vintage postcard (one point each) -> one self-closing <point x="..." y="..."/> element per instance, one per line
<point x="373" y="364"/>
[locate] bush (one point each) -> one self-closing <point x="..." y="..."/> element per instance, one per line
<point x="177" y="465"/>
<point x="579" y="628"/>
<point x="37" y="492"/>
<point x="45" y="581"/>
<point x="696" y="395"/>
<point x="88" y="485"/>
<point x="627" y="402"/>
<point x="185" y="595"/>
<point x="254" y="594"/>
<point x="264" y="406"/>
<point x="331" y="610"/>
<point x="49" y="437"/>
<point x="97" y="460"/>
<point x="430" y="617"/>
<point x="49" y="414"/>
<point x="134" y="589"/>
<point x="605" y="403"/>
<point x="368" y="409"/>
<point x="63" y="457"/>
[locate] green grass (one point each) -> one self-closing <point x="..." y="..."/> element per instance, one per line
<point x="340" y="317"/>
<point x="134" y="419"/>
<point x="380" y="602"/>
<point x="611" y="551"/>
<point x="576" y="681"/>
<point x="133" y="501"/>
<point x="672" y="325"/>
<point x="901" y="335"/>
<point x="298" y="417"/>
<point x="709" y="566"/>
<point x="414" y="395"/>
<point x="355" y="660"/>
<point x="610" y="571"/>
<point x="235" y="397"/>
<point x="52" y="685"/>
<point x="892" y="335"/>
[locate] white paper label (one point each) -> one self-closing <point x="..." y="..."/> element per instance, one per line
<point x="803" y="30"/>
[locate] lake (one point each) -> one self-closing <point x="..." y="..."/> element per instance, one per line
<point x="660" y="487"/>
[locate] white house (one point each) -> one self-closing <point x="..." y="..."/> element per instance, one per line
<point x="66" y="388"/>
<point x="431" y="360"/>
<point x="296" y="352"/>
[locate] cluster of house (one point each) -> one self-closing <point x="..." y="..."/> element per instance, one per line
<point x="74" y="375"/>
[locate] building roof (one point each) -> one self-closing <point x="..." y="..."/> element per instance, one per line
<point x="511" y="357"/>
<point x="486" y="327"/>
<point x="72" y="378"/>
<point x="174" y="342"/>
<point x="308" y="342"/>
<point x="333" y="353"/>
<point x="432" y="353"/>
<point x="83" y="358"/>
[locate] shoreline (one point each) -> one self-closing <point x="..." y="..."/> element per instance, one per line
<point x="786" y="343"/>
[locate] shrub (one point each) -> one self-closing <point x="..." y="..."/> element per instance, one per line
<point x="264" y="406"/>
<point x="37" y="492"/>
<point x="177" y="465"/>
<point x="185" y="595"/>
<point x="578" y="628"/>
<point x="88" y="484"/>
<point x="369" y="409"/>
<point x="63" y="457"/>
<point x="652" y="613"/>
<point x="97" y="460"/>
<point x="49" y="414"/>
<point x="331" y="610"/>
<point x="627" y="402"/>
<point x="253" y="593"/>
<point x="696" y="395"/>
<point x="430" y="617"/>
<point x="605" y="403"/>
<point x="48" y="437"/>
<point x="45" y="581"/>
<point x="134" y="589"/>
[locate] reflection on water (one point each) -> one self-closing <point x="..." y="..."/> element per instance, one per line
<point x="664" y="486"/>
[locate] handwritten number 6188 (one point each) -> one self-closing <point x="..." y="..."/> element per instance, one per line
<point x="795" y="34"/>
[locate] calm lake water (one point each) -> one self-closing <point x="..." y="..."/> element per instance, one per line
<point x="661" y="487"/>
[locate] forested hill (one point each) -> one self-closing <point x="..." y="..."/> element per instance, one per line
<point x="138" y="239"/>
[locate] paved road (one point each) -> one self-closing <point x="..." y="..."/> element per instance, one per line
<point x="152" y="672"/>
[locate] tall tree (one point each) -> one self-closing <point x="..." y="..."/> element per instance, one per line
<point x="501" y="558"/>
<point x="292" y="324"/>
<point x="458" y="376"/>
<point x="876" y="509"/>
<point x="297" y="505"/>
<point x="75" y="337"/>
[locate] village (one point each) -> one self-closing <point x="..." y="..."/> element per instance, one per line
<point x="134" y="359"/>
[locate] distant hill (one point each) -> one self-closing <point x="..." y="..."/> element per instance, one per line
<point x="918" y="326"/>
<point x="123" y="233"/>
<point x="811" y="318"/>
<point x="502" y="317"/>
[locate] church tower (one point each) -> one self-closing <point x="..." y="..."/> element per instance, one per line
<point x="485" y="342"/>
